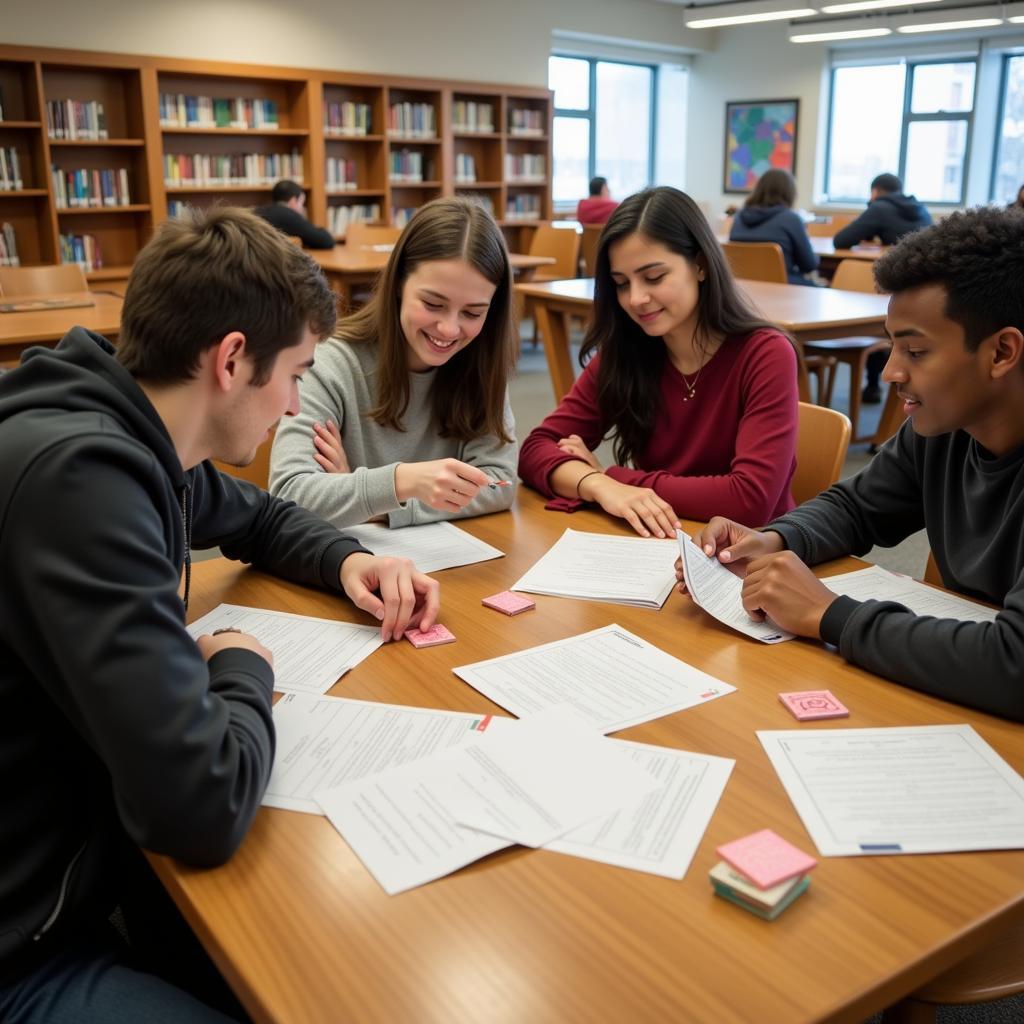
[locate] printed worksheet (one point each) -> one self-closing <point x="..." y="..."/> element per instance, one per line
<point x="430" y="546"/>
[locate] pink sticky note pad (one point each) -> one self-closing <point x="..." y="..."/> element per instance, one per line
<point x="509" y="603"/>
<point x="766" y="858"/>
<point x="437" y="634"/>
<point x="810" y="704"/>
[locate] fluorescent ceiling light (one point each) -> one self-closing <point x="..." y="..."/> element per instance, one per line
<point x="744" y="13"/>
<point x="872" y="5"/>
<point x="949" y="26"/>
<point x="827" y="35"/>
<point x="1014" y="13"/>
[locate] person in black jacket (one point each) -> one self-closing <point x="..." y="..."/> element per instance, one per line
<point x="119" y="730"/>
<point x="287" y="212"/>
<point x="767" y="216"/>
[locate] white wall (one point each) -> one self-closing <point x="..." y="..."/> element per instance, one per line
<point x="479" y="40"/>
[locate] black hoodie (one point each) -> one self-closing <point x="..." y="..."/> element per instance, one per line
<point x="888" y="218"/>
<point x="114" y="730"/>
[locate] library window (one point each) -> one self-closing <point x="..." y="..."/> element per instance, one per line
<point x="910" y="119"/>
<point x="1008" y="173"/>
<point x="604" y="112"/>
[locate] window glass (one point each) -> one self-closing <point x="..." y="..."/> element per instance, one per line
<point x="569" y="77"/>
<point x="1009" y="174"/>
<point x="942" y="87"/>
<point x="623" y="126"/>
<point x="571" y="145"/>
<point x="935" y="160"/>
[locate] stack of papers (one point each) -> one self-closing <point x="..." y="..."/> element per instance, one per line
<point x="430" y="547"/>
<point x="596" y="567"/>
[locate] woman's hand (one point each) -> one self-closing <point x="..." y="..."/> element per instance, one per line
<point x="329" y="451"/>
<point x="639" y="506"/>
<point x="573" y="445"/>
<point x="444" y="484"/>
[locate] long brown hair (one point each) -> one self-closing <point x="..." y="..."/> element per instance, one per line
<point x="468" y="393"/>
<point x="628" y="391"/>
<point x="776" y="187"/>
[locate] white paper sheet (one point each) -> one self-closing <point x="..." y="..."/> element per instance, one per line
<point x="323" y="742"/>
<point x="719" y="592"/>
<point x="921" y="789"/>
<point x="430" y="546"/>
<point x="636" y="571"/>
<point x="661" y="833"/>
<point x="875" y="583"/>
<point x="613" y="679"/>
<point x="310" y="655"/>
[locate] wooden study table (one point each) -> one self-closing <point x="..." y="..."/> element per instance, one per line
<point x="809" y="314"/>
<point x="304" y="934"/>
<point x="48" y="326"/>
<point x="348" y="268"/>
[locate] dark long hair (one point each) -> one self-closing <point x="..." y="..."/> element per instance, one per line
<point x="628" y="378"/>
<point x="776" y="187"/>
<point x="468" y="393"/>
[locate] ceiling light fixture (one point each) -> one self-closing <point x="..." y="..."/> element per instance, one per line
<point x="872" y="5"/>
<point x="949" y="26"/>
<point x="743" y="13"/>
<point x="828" y="32"/>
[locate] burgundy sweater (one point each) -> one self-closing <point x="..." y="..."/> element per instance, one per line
<point x="728" y="451"/>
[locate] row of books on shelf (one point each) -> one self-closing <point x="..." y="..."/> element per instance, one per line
<point x="341" y="174"/>
<point x="469" y="116"/>
<point x="523" y="207"/>
<point x="201" y="169"/>
<point x="339" y="217"/>
<point x="525" y="121"/>
<point x="90" y="187"/>
<point x="407" y="165"/>
<point x="75" y="119"/>
<point x="347" y="118"/>
<point x="465" y="168"/>
<point x="10" y="170"/>
<point x="412" y="119"/>
<point x="8" y="244"/>
<point x="81" y="249"/>
<point x="530" y="167"/>
<point x="178" y="110"/>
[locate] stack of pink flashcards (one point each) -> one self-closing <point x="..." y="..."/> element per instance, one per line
<point x="810" y="705"/>
<point x="761" y="873"/>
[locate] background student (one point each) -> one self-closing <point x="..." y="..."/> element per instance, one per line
<point x="699" y="394"/>
<point x="598" y="205"/>
<point x="287" y="212"/>
<point x="767" y="216"/>
<point x="119" y="730"/>
<point x="406" y="414"/>
<point x="956" y="468"/>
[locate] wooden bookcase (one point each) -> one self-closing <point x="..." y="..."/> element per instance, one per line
<point x="341" y="125"/>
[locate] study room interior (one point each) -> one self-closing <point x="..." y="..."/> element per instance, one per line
<point x="116" y="118"/>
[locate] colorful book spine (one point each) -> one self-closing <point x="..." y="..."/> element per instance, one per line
<point x="90" y="187"/>
<point x="407" y="166"/>
<point x="10" y="170"/>
<point x="465" y="168"/>
<point x="75" y="119"/>
<point x="470" y="116"/>
<point x="342" y="174"/>
<point x="523" y="207"/>
<point x="525" y="121"/>
<point x="525" y="167"/>
<point x="412" y="120"/>
<point x="8" y="246"/>
<point x="347" y="118"/>
<point x="339" y="217"/>
<point x="180" y="110"/>
<point x="81" y="249"/>
<point x="199" y="170"/>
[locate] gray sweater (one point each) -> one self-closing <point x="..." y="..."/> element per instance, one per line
<point x="342" y="386"/>
<point x="972" y="506"/>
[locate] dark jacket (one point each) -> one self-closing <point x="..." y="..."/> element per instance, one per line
<point x="781" y="225"/>
<point x="291" y="222"/>
<point x="114" y="730"/>
<point x="888" y="218"/>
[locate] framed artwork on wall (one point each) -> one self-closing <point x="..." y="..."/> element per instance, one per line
<point x="759" y="135"/>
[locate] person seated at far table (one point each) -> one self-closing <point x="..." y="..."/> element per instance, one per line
<point x="768" y="216"/>
<point x="698" y="392"/>
<point x="287" y="212"/>
<point x="956" y="469"/>
<point x="598" y="206"/>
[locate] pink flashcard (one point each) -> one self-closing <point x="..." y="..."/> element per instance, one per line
<point x="766" y="858"/>
<point x="509" y="603"/>
<point x="437" y="634"/>
<point x="810" y="704"/>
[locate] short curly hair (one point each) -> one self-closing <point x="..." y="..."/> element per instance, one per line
<point x="978" y="257"/>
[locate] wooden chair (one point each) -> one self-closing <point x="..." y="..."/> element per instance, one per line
<point x="588" y="247"/>
<point x="360" y="234"/>
<point x="258" y="471"/>
<point x="822" y="439"/>
<point x="931" y="572"/>
<point x="852" y="276"/>
<point x="994" y="972"/>
<point x="562" y="245"/>
<point x="756" y="261"/>
<point x="54" y="280"/>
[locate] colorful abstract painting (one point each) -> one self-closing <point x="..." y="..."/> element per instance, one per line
<point x="759" y="135"/>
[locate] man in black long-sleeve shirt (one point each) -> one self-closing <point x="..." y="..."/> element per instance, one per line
<point x="119" y="730"/>
<point x="287" y="212"/>
<point x="956" y="468"/>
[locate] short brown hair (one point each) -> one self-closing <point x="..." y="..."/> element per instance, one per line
<point x="468" y="394"/>
<point x="210" y="273"/>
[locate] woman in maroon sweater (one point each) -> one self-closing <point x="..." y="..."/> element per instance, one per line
<point x="699" y="394"/>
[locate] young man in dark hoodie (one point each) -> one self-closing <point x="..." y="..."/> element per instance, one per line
<point x="956" y="468"/>
<point x="119" y="730"/>
<point x="890" y="215"/>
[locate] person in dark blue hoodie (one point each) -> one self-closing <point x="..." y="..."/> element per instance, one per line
<point x="767" y="216"/>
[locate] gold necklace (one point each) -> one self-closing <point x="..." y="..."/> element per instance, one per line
<point x="691" y="388"/>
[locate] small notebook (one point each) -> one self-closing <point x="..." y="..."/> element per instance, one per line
<point x="30" y="305"/>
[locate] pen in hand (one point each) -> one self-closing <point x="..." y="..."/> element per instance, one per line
<point x="499" y="483"/>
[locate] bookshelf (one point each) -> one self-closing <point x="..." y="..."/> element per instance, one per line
<point x="366" y="147"/>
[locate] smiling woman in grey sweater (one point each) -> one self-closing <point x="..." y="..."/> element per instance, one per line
<point x="405" y="415"/>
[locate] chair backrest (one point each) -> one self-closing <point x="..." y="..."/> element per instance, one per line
<point x="756" y="261"/>
<point x="258" y="471"/>
<point x="822" y="437"/>
<point x="588" y="246"/>
<point x="561" y="244"/>
<point x="854" y="276"/>
<point x="67" y="277"/>
<point x="359" y="233"/>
